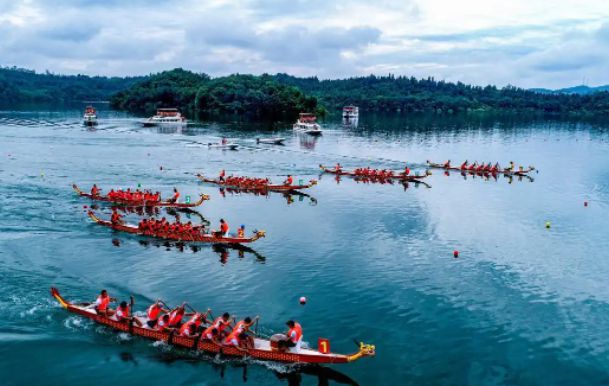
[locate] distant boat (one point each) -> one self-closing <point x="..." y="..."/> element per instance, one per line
<point x="307" y="124"/>
<point x="350" y="112"/>
<point x="166" y="117"/>
<point x="90" y="117"/>
<point x="271" y="141"/>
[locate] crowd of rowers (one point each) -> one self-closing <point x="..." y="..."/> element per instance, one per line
<point x="185" y="231"/>
<point x="249" y="182"/>
<point x="482" y="167"/>
<point x="135" y="195"/>
<point x="374" y="173"/>
<point x="219" y="331"/>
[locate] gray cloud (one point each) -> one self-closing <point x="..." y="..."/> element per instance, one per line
<point x="315" y="37"/>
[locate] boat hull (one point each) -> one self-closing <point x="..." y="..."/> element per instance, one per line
<point x="266" y="188"/>
<point x="260" y="352"/>
<point x="394" y="177"/>
<point x="204" y="239"/>
<point x="148" y="204"/>
<point x="506" y="172"/>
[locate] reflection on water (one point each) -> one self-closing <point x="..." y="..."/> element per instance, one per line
<point x="374" y="261"/>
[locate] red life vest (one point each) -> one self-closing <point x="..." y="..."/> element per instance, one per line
<point x="154" y="311"/>
<point x="207" y="334"/>
<point x="175" y="317"/>
<point x="233" y="335"/>
<point x="220" y="324"/>
<point x="122" y="313"/>
<point x="295" y="333"/>
<point x="185" y="328"/>
<point x="224" y="227"/>
<point x="103" y="303"/>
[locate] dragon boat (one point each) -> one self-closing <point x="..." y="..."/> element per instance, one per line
<point x="165" y="204"/>
<point x="396" y="176"/>
<point x="264" y="349"/>
<point x="260" y="188"/>
<point x="203" y="238"/>
<point x="506" y="171"/>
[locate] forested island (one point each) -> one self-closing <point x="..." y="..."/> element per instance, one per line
<point x="282" y="95"/>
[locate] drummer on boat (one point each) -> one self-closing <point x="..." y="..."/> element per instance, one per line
<point x="293" y="336"/>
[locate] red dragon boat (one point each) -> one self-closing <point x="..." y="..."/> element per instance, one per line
<point x="261" y="188"/>
<point x="396" y="176"/>
<point x="203" y="238"/>
<point x="263" y="348"/>
<point x="506" y="171"/>
<point x="165" y="204"/>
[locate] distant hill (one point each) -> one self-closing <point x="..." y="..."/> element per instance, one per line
<point x="18" y="85"/>
<point x="284" y="95"/>
<point x="580" y="90"/>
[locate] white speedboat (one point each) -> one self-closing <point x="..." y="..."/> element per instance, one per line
<point x="166" y="117"/>
<point x="90" y="117"/>
<point x="306" y="124"/>
<point x="350" y="112"/>
<point x="271" y="141"/>
<point x="223" y="146"/>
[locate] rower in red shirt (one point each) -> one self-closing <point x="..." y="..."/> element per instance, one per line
<point x="446" y="164"/>
<point x="116" y="218"/>
<point x="464" y="165"/>
<point x="222" y="175"/>
<point x="289" y="180"/>
<point x="224" y="228"/>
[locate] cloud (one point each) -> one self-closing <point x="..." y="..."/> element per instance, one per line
<point x="530" y="43"/>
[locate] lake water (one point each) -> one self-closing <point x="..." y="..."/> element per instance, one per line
<point x="522" y="304"/>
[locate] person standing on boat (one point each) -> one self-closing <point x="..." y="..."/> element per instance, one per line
<point x="102" y="304"/>
<point x="288" y="181"/>
<point x="123" y="315"/>
<point x="94" y="191"/>
<point x="153" y="312"/>
<point x="294" y="335"/>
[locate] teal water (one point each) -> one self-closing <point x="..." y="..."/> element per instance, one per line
<point x="521" y="305"/>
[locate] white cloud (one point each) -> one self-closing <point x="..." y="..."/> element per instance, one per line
<point x="530" y="43"/>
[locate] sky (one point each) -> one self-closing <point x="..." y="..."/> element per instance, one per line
<point x="526" y="43"/>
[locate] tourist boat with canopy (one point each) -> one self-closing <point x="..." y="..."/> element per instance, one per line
<point x="350" y="112"/>
<point x="264" y="349"/>
<point x="261" y="188"/>
<point x="200" y="238"/>
<point x="166" y="117"/>
<point x="165" y="204"/>
<point x="90" y="116"/>
<point x="307" y="124"/>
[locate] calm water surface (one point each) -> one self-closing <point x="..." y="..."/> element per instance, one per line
<point x="521" y="305"/>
